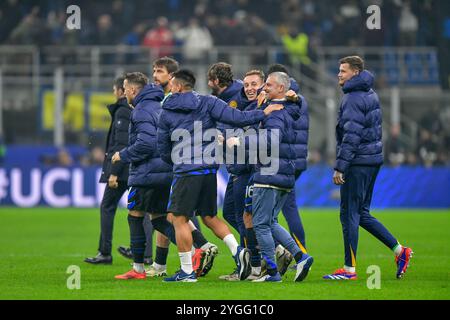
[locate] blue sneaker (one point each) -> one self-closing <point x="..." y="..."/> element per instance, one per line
<point x="182" y="276"/>
<point x="269" y="278"/>
<point x="242" y="259"/>
<point x="303" y="267"/>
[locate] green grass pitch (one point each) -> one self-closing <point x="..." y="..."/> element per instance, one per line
<point x="39" y="244"/>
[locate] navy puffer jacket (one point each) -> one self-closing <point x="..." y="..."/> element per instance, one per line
<point x="283" y="120"/>
<point x="301" y="127"/>
<point x="189" y="111"/>
<point x="146" y="168"/>
<point x="358" y="131"/>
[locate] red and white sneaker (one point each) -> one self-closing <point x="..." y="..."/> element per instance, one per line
<point x="198" y="260"/>
<point x="132" y="274"/>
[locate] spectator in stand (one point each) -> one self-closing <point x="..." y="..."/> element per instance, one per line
<point x="426" y="148"/>
<point x="409" y="25"/>
<point x="105" y="33"/>
<point x="196" y="41"/>
<point x="31" y="30"/>
<point x="395" y="149"/>
<point x="160" y="38"/>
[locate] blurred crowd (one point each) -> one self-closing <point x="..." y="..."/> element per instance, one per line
<point x="432" y="144"/>
<point x="207" y="22"/>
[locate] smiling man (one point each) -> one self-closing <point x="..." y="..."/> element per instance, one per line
<point x="359" y="157"/>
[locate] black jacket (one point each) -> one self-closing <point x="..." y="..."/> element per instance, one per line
<point x="117" y="140"/>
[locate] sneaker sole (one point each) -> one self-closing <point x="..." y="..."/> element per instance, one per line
<point x="286" y="262"/>
<point x="184" y="280"/>
<point x="157" y="275"/>
<point x="305" y="269"/>
<point x="208" y="262"/>
<point x="244" y="260"/>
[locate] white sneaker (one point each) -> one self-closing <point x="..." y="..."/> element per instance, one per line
<point x="230" y="277"/>
<point x="269" y="278"/>
<point x="154" y="272"/>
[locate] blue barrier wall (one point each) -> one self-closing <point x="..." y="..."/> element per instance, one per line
<point x="404" y="187"/>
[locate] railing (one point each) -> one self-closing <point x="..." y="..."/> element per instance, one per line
<point x="26" y="70"/>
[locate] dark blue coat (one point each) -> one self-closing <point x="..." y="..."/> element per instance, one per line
<point x="116" y="140"/>
<point x="232" y="95"/>
<point x="283" y="120"/>
<point x="358" y="131"/>
<point x="180" y="111"/>
<point x="146" y="168"/>
<point x="238" y="95"/>
<point x="301" y="128"/>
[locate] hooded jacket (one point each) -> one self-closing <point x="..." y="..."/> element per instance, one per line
<point x="189" y="111"/>
<point x="358" y="131"/>
<point x="147" y="169"/>
<point x="301" y="128"/>
<point x="283" y="122"/>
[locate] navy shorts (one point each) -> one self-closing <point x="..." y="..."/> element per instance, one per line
<point x="193" y="195"/>
<point x="148" y="199"/>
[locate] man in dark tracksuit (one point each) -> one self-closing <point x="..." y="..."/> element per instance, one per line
<point x="223" y="86"/>
<point x="150" y="177"/>
<point x="358" y="160"/>
<point x="114" y="175"/>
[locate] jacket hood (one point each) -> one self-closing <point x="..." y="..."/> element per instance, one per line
<point x="185" y="102"/>
<point x="294" y="86"/>
<point x="360" y="82"/>
<point x="149" y="92"/>
<point x="231" y="91"/>
<point x="293" y="109"/>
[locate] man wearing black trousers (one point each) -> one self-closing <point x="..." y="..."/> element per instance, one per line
<point x="114" y="175"/>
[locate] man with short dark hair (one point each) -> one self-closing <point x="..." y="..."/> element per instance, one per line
<point x="225" y="87"/>
<point x="114" y="175"/>
<point x="240" y="174"/>
<point x="359" y="157"/>
<point x="194" y="187"/>
<point x="150" y="177"/>
<point x="163" y="68"/>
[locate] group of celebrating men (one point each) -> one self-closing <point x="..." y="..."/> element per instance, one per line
<point x="259" y="123"/>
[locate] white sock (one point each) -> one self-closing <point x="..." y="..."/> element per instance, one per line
<point x="193" y="250"/>
<point x="231" y="243"/>
<point x="138" y="267"/>
<point x="350" y="269"/>
<point x="398" y="249"/>
<point x="159" y="267"/>
<point x="186" y="262"/>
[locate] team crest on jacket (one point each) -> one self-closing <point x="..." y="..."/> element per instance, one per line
<point x="233" y="104"/>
